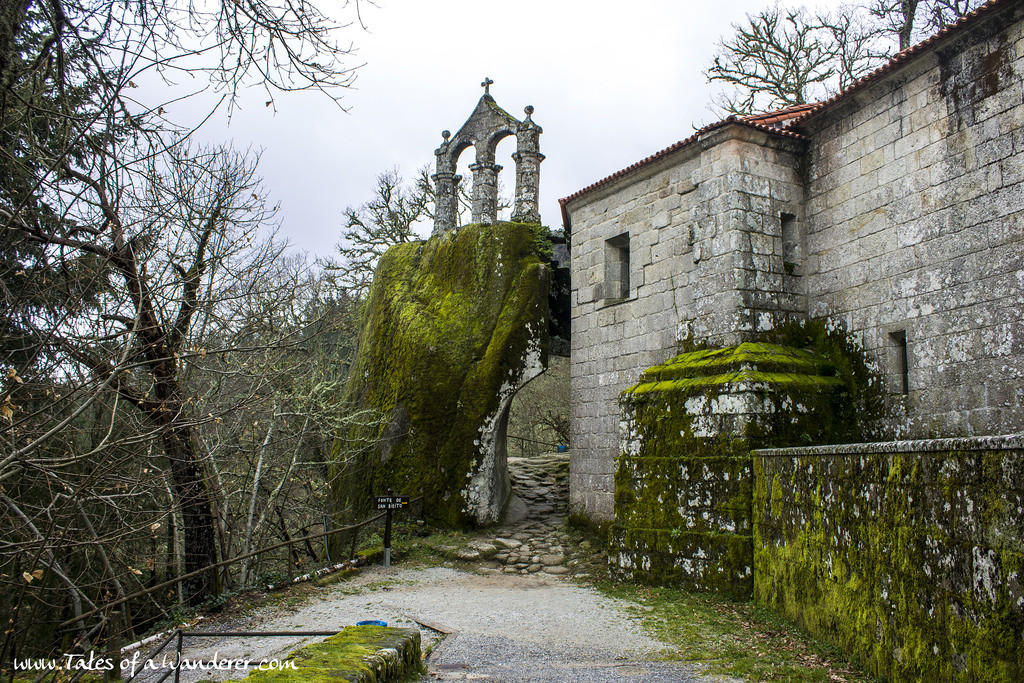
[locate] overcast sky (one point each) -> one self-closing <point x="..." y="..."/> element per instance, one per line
<point x="611" y="82"/>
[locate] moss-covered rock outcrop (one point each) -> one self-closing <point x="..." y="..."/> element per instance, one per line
<point x="452" y="328"/>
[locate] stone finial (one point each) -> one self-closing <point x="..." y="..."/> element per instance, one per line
<point x="486" y="85"/>
<point x="529" y="111"/>
<point x="446" y="134"/>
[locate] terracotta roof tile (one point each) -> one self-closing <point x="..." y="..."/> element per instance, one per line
<point x="780" y="118"/>
<point x="783" y="121"/>
<point x="899" y="59"/>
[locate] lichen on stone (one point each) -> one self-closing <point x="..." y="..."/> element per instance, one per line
<point x="452" y="328"/>
<point x="684" y="476"/>
<point x="891" y="556"/>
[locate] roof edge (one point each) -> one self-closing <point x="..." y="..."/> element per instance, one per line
<point x="647" y="161"/>
<point x="902" y="58"/>
<point x="803" y="113"/>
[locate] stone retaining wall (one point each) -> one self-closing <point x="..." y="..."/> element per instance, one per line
<point x="359" y="654"/>
<point x="683" y="479"/>
<point x="906" y="555"/>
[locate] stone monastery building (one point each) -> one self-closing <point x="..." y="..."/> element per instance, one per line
<point x="893" y="210"/>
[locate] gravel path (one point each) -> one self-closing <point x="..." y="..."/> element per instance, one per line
<point x="499" y="627"/>
<point x="516" y="618"/>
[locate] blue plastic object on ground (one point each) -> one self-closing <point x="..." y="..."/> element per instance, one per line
<point x="372" y="622"/>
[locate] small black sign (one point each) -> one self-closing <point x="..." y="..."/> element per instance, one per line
<point x="391" y="502"/>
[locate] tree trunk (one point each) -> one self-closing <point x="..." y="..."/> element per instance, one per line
<point x="908" y="8"/>
<point x="196" y="511"/>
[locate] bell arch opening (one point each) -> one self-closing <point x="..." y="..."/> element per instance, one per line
<point x="485" y="129"/>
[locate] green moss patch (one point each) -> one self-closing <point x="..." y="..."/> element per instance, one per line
<point x="360" y="654"/>
<point x="683" y="481"/>
<point x="450" y="325"/>
<point x="909" y="562"/>
<point x="765" y="357"/>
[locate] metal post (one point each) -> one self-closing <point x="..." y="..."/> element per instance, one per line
<point x="177" y="662"/>
<point x="387" y="534"/>
<point x="387" y="539"/>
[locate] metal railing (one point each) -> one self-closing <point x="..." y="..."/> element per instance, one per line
<point x="108" y="610"/>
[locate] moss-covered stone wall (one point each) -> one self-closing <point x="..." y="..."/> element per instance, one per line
<point x="452" y="328"/>
<point x="909" y="556"/>
<point x="683" y="480"/>
<point x="357" y="654"/>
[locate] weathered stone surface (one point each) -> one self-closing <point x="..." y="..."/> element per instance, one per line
<point x="556" y="570"/>
<point x="484" y="548"/>
<point x="899" y="215"/>
<point x="453" y="327"/>
<point x="906" y="555"/>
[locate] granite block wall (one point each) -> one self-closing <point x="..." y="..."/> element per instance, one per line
<point x="908" y="556"/>
<point x="915" y="230"/>
<point x="898" y="216"/>
<point x="705" y="260"/>
<point x="615" y="338"/>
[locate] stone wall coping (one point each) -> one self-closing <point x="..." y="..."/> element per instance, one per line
<point x="974" y="443"/>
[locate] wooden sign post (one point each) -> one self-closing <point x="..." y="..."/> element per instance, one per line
<point x="390" y="503"/>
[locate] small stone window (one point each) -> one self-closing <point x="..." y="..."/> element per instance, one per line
<point x="792" y="251"/>
<point x="616" y="268"/>
<point x="899" y="344"/>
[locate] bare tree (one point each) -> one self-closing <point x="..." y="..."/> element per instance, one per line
<point x="186" y="411"/>
<point x="153" y="252"/>
<point x="857" y="45"/>
<point x="390" y="218"/>
<point x="784" y="57"/>
<point x="912" y="20"/>
<point x="896" y="17"/>
<point x="778" y="59"/>
<point x="124" y="254"/>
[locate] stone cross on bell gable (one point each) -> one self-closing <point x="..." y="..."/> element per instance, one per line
<point x="483" y="130"/>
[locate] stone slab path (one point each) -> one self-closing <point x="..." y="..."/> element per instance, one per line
<point x="533" y="539"/>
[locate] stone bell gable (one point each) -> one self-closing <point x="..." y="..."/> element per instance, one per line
<point x="488" y="125"/>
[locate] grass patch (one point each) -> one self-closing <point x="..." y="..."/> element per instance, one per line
<point x="423" y="546"/>
<point x="734" y="638"/>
